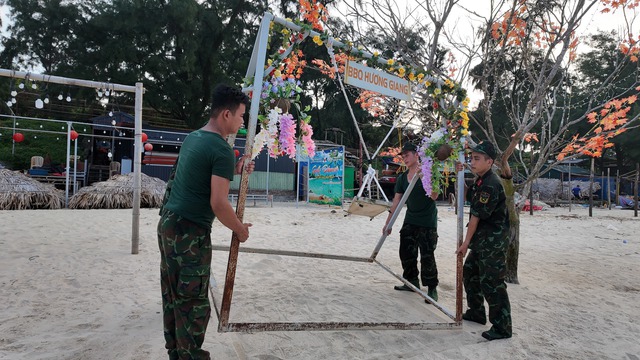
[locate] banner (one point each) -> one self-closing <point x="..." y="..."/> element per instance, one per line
<point x="326" y="176"/>
<point x="364" y="77"/>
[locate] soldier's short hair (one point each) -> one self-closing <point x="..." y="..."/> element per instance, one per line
<point x="225" y="97"/>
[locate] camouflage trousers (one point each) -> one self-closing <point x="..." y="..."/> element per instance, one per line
<point x="414" y="239"/>
<point x="185" y="263"/>
<point x="483" y="273"/>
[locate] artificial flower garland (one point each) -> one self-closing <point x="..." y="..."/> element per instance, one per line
<point x="278" y="133"/>
<point x="428" y="150"/>
<point x="278" y="127"/>
<point x="449" y="102"/>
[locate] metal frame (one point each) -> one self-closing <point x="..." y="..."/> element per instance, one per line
<point x="331" y="325"/>
<point x="256" y="70"/>
<point x="138" y="89"/>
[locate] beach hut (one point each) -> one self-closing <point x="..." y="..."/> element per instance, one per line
<point x="117" y="193"/>
<point x="19" y="192"/>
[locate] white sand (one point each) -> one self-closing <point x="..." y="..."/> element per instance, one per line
<point x="70" y="288"/>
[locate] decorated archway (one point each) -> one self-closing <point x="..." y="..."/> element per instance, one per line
<point x="268" y="81"/>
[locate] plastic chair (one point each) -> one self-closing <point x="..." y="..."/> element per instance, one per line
<point x="36" y="161"/>
<point x="114" y="168"/>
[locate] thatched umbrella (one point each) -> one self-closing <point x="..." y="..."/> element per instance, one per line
<point x="117" y="193"/>
<point x="19" y="192"/>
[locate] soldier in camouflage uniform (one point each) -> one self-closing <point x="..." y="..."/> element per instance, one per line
<point x="197" y="193"/>
<point x="419" y="231"/>
<point x="487" y="239"/>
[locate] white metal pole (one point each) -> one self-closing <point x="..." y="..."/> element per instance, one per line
<point x="66" y="180"/>
<point x="137" y="151"/>
<point x="460" y="235"/>
<point x="13" y="142"/>
<point x="75" y="166"/>
<point x="65" y="81"/>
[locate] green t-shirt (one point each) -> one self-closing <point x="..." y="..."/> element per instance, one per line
<point x="421" y="209"/>
<point x="202" y="155"/>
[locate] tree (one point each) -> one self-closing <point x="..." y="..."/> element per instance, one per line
<point x="41" y="32"/>
<point x="544" y="33"/>
<point x="594" y="68"/>
<point x="178" y="49"/>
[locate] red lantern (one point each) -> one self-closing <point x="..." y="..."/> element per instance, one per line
<point x="236" y="152"/>
<point x="18" y="137"/>
<point x="148" y="147"/>
<point x="144" y="137"/>
<point x="73" y="135"/>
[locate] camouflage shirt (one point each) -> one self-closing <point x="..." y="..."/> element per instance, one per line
<point x="488" y="203"/>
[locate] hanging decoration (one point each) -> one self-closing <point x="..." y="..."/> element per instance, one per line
<point x="148" y="147"/>
<point x="18" y="137"/>
<point x="73" y="135"/>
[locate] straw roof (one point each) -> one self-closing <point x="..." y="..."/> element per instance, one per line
<point x="117" y="193"/>
<point x="19" y="192"/>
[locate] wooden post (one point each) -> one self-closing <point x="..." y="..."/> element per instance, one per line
<point x="561" y="184"/>
<point x="602" y="188"/>
<point x="531" y="199"/>
<point x="591" y="187"/>
<point x="635" y="191"/>
<point x="570" y="188"/>
<point x="617" y="187"/>
<point x="531" y="187"/>
<point x="609" y="187"/>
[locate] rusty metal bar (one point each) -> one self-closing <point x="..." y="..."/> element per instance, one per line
<point x="294" y="253"/>
<point x="394" y="216"/>
<point x="635" y="191"/>
<point x="417" y="291"/>
<point x="331" y="326"/>
<point x="227" y="293"/>
<point x="323" y="326"/>
<point x="214" y="301"/>
<point x="258" y="59"/>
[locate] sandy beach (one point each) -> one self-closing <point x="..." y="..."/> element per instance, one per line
<point x="71" y="289"/>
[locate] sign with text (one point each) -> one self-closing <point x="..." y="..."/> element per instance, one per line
<point x="364" y="77"/>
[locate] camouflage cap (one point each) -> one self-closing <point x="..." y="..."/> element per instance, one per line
<point x="486" y="148"/>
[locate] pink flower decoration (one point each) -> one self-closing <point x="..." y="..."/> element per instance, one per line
<point x="288" y="135"/>
<point x="308" y="142"/>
